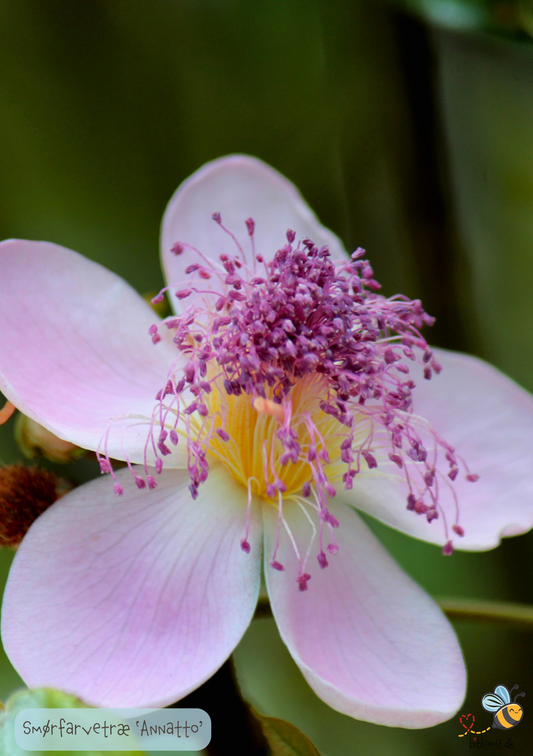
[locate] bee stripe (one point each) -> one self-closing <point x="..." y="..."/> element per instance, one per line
<point x="505" y="719"/>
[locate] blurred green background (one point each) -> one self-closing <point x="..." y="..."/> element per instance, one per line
<point x="410" y="135"/>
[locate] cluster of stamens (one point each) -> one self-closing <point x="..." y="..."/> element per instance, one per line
<point x="300" y="319"/>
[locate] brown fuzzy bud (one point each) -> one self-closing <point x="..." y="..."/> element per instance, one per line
<point x="25" y="493"/>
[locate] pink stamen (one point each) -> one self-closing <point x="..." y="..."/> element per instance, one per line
<point x="304" y="318"/>
<point x="302" y="581"/>
<point x="273" y="562"/>
<point x="245" y="546"/>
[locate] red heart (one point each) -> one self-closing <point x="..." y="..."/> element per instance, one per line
<point x="469" y="724"/>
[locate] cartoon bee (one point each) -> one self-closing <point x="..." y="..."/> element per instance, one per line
<point x="506" y="714"/>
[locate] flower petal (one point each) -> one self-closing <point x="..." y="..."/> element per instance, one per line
<point x="136" y="601"/>
<point x="238" y="187"/>
<point x="75" y="349"/>
<point x="370" y="642"/>
<point x="488" y="419"/>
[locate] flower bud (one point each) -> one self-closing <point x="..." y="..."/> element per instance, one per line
<point x="160" y="306"/>
<point x="34" y="440"/>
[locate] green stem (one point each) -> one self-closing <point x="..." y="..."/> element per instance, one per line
<point x="468" y="610"/>
<point x="496" y="612"/>
<point x="235" y="729"/>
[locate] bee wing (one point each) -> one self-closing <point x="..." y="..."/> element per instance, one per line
<point x="501" y="690"/>
<point x="492" y="702"/>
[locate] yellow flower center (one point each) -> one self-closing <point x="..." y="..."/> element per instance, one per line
<point x="253" y="453"/>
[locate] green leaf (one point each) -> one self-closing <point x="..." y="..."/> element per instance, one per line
<point x="283" y="738"/>
<point x="44" y="698"/>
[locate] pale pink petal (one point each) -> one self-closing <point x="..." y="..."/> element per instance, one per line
<point x="370" y="642"/>
<point x="75" y="349"/>
<point x="133" y="601"/>
<point x="239" y="187"/>
<point x="488" y="419"/>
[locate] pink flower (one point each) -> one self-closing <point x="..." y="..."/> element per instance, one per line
<point x="290" y="396"/>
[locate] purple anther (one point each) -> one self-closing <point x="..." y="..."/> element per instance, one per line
<point x="189" y="371"/>
<point x="369" y="459"/>
<point x="158" y="465"/>
<point x="454" y="472"/>
<point x="329" y="489"/>
<point x="420" y="507"/>
<point x="118" y="489"/>
<point x="431" y="515"/>
<point x="396" y="459"/>
<point x="217" y="218"/>
<point x="458" y="529"/>
<point x="271" y="491"/>
<point x="236" y="296"/>
<point x="140" y="482"/>
<point x="324" y="456"/>
<point x="427" y="373"/>
<point x="158" y="299"/>
<point x="429" y="478"/>
<point x="291" y="235"/>
<point x="245" y="546"/>
<point x="174" y="438"/>
<point x="411" y="502"/>
<point x="202" y="410"/>
<point x="177" y="248"/>
<point x="472" y="477"/>
<point x="222" y="434"/>
<point x="331" y="520"/>
<point x="302" y="581"/>
<point x="277" y="566"/>
<point x="422" y="455"/>
<point x="333" y="548"/>
<point x="152" y="330"/>
<point x="368" y="273"/>
<point x="151" y="482"/>
<point x="183" y="293"/>
<point x="156" y="338"/>
<point x="250" y="225"/>
<point x="105" y="467"/>
<point x="447" y="549"/>
<point x="322" y="560"/>
<point x="192" y="268"/>
<point x="306" y="490"/>
<point x="205" y="274"/>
